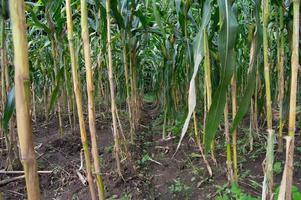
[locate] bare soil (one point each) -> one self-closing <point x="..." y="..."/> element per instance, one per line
<point x="158" y="174"/>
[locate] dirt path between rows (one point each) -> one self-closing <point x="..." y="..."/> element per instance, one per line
<point x="158" y="175"/>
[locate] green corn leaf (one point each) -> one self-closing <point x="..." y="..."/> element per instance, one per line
<point x="143" y="19"/>
<point x="54" y="96"/>
<point x="55" y="91"/>
<point x="116" y="13"/>
<point x="227" y="39"/>
<point x="198" y="54"/>
<point x="103" y="17"/>
<point x="178" y="5"/>
<point x="8" y="110"/>
<point x="181" y="17"/>
<point x="251" y="82"/>
<point x="249" y="90"/>
<point x="158" y="18"/>
<point x="37" y="23"/>
<point x="245" y="100"/>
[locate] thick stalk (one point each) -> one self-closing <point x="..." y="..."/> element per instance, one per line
<point x="22" y="98"/>
<point x="112" y="90"/>
<point x="234" y="135"/>
<point x="77" y="92"/>
<point x="90" y="91"/>
<point x="268" y="174"/>
<point x="288" y="172"/>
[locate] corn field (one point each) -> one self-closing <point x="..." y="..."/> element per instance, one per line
<point x="150" y="99"/>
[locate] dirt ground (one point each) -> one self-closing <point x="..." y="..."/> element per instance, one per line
<point x="158" y="174"/>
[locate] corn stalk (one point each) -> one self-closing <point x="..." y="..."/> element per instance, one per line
<point x="267" y="189"/>
<point x="228" y="146"/>
<point x="78" y="98"/>
<point x="22" y="92"/>
<point x="287" y="179"/>
<point x="234" y="134"/>
<point x="112" y="90"/>
<point x="90" y="91"/>
<point x="280" y="65"/>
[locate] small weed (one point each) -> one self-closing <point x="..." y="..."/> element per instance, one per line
<point x="124" y="196"/>
<point x="74" y="197"/>
<point x="178" y="187"/>
<point x="296" y="195"/>
<point x="255" y="184"/>
<point x="196" y="170"/>
<point x="144" y="160"/>
<point x="148" y="143"/>
<point x="277" y="168"/>
<point x="298" y="149"/>
<point x="235" y="193"/>
<point x="297" y="164"/>
<point x="245" y="174"/>
<point x="109" y="149"/>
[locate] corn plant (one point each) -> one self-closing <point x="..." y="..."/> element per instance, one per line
<point x="222" y="63"/>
